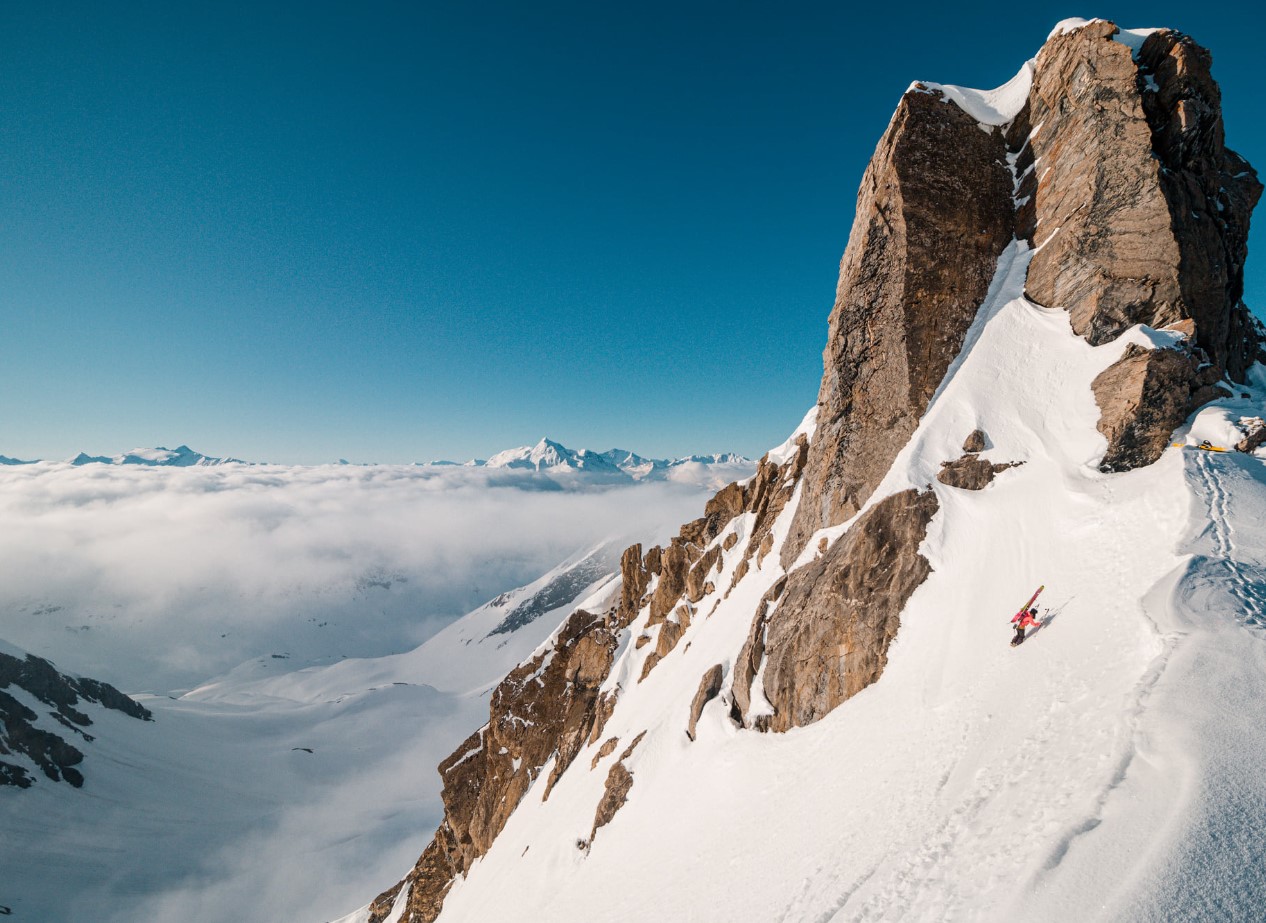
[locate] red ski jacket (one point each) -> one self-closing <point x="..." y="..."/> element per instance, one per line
<point x="1022" y="619"/>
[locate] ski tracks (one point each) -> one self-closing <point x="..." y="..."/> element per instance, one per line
<point x="1247" y="588"/>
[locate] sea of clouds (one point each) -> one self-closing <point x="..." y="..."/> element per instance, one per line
<point x="156" y="579"/>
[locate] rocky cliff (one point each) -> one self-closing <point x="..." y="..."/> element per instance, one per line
<point x="61" y="699"/>
<point x="1112" y="166"/>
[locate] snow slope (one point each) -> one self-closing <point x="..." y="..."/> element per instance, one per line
<point x="213" y="812"/>
<point x="468" y="658"/>
<point x="270" y="792"/>
<point x="1108" y="769"/>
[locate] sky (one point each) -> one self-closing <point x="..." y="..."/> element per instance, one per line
<point x="398" y="232"/>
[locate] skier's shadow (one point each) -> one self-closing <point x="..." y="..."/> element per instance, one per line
<point x="1048" y="618"/>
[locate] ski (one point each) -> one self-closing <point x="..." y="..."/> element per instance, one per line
<point x="1025" y="608"/>
<point x="1205" y="446"/>
<point x="1032" y="599"/>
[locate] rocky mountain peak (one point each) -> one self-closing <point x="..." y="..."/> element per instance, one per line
<point x="1117" y="147"/>
<point x="1101" y="169"/>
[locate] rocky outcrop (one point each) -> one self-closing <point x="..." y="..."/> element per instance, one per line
<point x="827" y="636"/>
<point x="976" y="442"/>
<point x="607" y="748"/>
<point x="971" y="472"/>
<point x="1143" y="397"/>
<point x="709" y="687"/>
<point x="1140" y="210"/>
<point x="616" y="793"/>
<point x="1254" y="430"/>
<point x="63" y="696"/>
<point x="1110" y="257"/>
<point x="1211" y="192"/>
<point x="546" y="709"/>
<point x="933" y="214"/>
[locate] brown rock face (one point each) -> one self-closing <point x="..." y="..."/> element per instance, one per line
<point x="709" y="687"/>
<point x="828" y="637"/>
<point x="1211" y="193"/>
<point x="976" y="442"/>
<point x="1143" y="397"/>
<point x="616" y="793"/>
<point x="1254" y="430"/>
<point x="1141" y="210"/>
<point x="971" y="472"/>
<point x="607" y="748"/>
<point x="1110" y="258"/>
<point x="546" y="708"/>
<point x="933" y="215"/>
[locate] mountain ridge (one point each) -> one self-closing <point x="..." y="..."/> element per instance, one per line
<point x="1006" y="280"/>
<point x="546" y="455"/>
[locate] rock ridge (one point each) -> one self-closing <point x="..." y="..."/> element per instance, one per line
<point x="1115" y="170"/>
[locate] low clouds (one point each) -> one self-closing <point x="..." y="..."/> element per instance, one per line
<point x="156" y="579"/>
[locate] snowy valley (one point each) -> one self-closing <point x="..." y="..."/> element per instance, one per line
<point x="281" y="628"/>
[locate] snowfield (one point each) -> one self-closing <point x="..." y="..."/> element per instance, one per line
<point x="1108" y="769"/>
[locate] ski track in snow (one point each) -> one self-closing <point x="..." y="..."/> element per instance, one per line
<point x="1222" y="532"/>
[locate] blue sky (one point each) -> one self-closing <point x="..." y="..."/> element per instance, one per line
<point x="394" y="232"/>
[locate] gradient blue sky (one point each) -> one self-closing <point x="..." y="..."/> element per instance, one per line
<point x="394" y="232"/>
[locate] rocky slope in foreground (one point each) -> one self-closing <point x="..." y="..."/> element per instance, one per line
<point x="41" y="713"/>
<point x="1094" y="192"/>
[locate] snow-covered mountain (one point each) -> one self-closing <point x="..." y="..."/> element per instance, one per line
<point x="618" y="464"/>
<point x="159" y="457"/>
<point x="1039" y="374"/>
<point x="43" y="715"/>
<point x="548" y="454"/>
<point x="800" y="706"/>
<point x="468" y="658"/>
<point x="547" y="457"/>
<point x="274" y="754"/>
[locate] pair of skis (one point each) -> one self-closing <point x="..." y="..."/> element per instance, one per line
<point x="1025" y="608"/>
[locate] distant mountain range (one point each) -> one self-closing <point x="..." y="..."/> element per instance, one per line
<point x="158" y="457"/>
<point x="545" y="456"/>
<point x="548" y="455"/>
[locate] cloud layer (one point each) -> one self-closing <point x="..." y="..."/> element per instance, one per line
<point x="155" y="579"/>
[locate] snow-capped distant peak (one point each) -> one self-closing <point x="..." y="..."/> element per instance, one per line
<point x="551" y="456"/>
<point x="722" y="458"/>
<point x="160" y="456"/>
<point x="545" y="454"/>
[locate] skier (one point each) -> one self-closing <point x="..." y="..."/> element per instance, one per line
<point x="1023" y="619"/>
